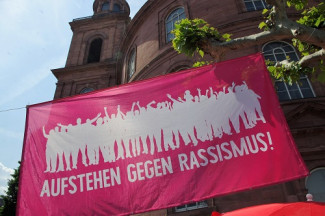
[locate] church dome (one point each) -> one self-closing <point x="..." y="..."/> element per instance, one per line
<point x="111" y="6"/>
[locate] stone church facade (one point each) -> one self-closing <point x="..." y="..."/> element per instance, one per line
<point x="110" y="49"/>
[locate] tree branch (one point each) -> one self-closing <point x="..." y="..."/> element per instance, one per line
<point x="306" y="60"/>
<point x="284" y="28"/>
<point x="279" y="9"/>
<point x="307" y="34"/>
<point x="216" y="48"/>
<point x="211" y="42"/>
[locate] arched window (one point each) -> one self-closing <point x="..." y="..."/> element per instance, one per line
<point x="95" y="50"/>
<point x="116" y="8"/>
<point x="174" y="16"/>
<point x="279" y="51"/>
<point x="179" y="68"/>
<point x="86" y="90"/>
<point x="131" y="64"/>
<point x="253" y="5"/>
<point x="315" y="183"/>
<point x="105" y="6"/>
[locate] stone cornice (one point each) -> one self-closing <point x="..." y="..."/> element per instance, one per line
<point x="83" y="68"/>
<point x="98" y="19"/>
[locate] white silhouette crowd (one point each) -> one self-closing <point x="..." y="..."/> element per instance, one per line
<point x="161" y="126"/>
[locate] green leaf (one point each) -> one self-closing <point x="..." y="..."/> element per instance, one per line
<point x="271" y="69"/>
<point x="305" y="53"/>
<point x="227" y="36"/>
<point x="262" y="25"/>
<point x="188" y="34"/>
<point x="318" y="21"/>
<point x="201" y="63"/>
<point x="201" y="53"/>
<point x="265" y="11"/>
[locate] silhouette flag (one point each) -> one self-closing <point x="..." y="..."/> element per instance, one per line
<point x="157" y="143"/>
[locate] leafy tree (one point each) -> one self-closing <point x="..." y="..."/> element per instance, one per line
<point x="307" y="34"/>
<point x="10" y="198"/>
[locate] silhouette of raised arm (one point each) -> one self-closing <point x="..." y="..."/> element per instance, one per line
<point x="119" y="112"/>
<point x="94" y="119"/>
<point x="105" y="108"/>
<point x="169" y="105"/>
<point x="256" y="95"/>
<point x="211" y="91"/>
<point x="141" y="109"/>
<point x="231" y="88"/>
<point x="149" y="104"/>
<point x="199" y="91"/>
<point x="63" y="127"/>
<point x="45" y="135"/>
<point x="133" y="105"/>
<point x="180" y="100"/>
<point x="170" y="97"/>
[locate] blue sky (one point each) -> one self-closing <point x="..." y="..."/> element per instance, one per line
<point x="35" y="37"/>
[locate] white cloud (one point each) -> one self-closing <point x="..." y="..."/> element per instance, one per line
<point x="5" y="175"/>
<point x="5" y="169"/>
<point x="3" y="190"/>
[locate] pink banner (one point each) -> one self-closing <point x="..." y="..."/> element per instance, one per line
<point x="157" y="143"/>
